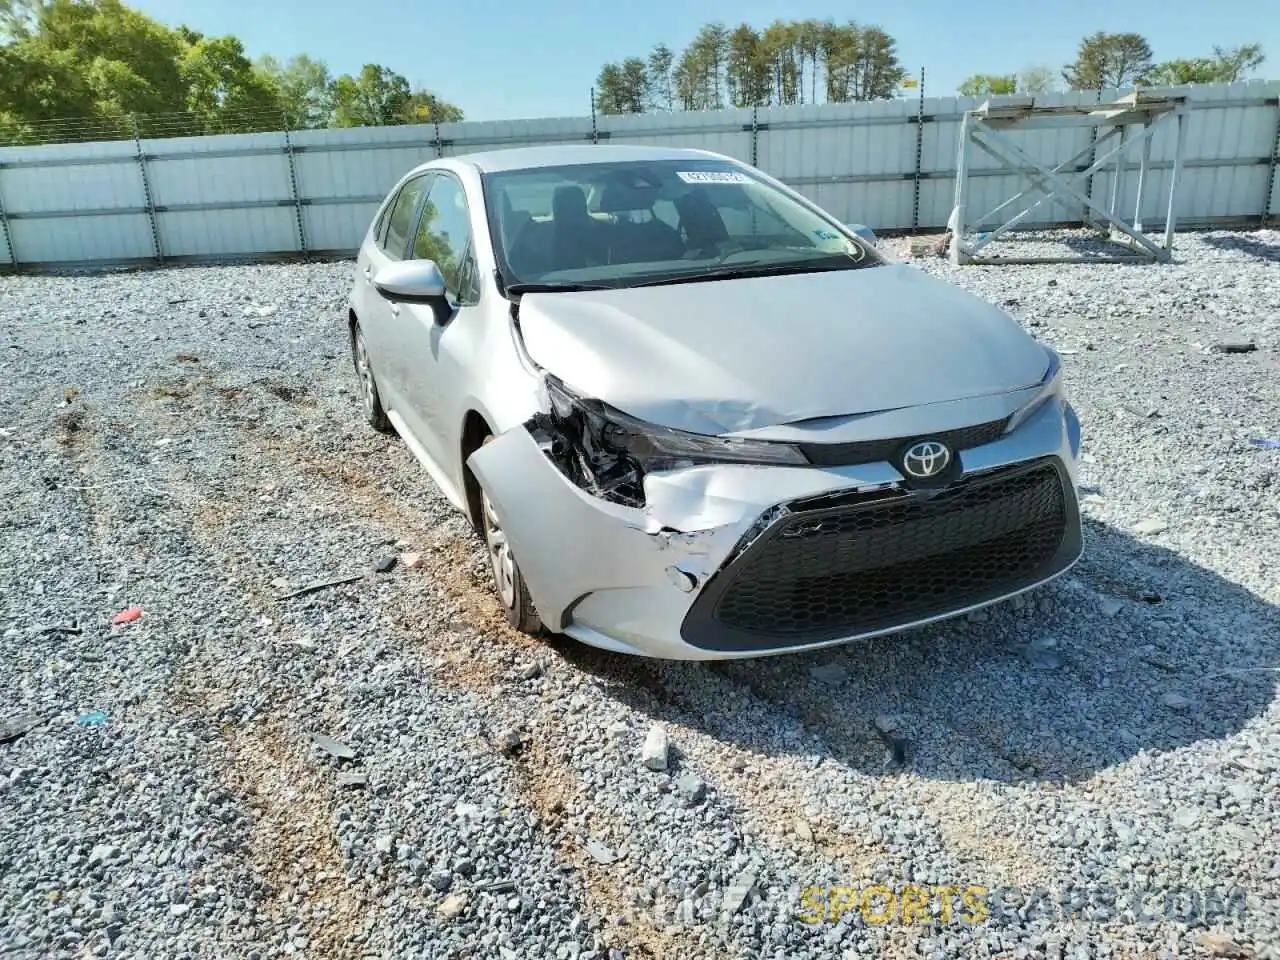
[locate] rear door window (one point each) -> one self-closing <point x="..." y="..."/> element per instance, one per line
<point x="401" y="218"/>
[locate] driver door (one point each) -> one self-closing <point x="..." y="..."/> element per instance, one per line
<point x="438" y="344"/>
<point x="379" y="317"/>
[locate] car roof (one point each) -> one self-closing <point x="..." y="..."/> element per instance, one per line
<point x="559" y="155"/>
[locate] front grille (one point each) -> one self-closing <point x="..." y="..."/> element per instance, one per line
<point x="875" y="451"/>
<point x="821" y="574"/>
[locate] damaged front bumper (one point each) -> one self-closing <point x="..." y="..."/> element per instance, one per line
<point x="730" y="560"/>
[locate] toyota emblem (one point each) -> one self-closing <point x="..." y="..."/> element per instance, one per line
<point x="926" y="459"/>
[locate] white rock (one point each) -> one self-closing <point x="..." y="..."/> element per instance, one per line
<point x="657" y="747"/>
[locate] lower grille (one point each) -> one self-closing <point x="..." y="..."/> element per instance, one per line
<point x="833" y="572"/>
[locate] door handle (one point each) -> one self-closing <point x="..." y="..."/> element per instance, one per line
<point x="368" y="275"/>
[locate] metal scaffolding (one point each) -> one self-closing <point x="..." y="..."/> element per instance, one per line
<point x="985" y="128"/>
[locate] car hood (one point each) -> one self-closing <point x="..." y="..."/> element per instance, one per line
<point x="729" y="356"/>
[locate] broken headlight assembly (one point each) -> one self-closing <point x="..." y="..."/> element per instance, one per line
<point x="1050" y="387"/>
<point x="607" y="453"/>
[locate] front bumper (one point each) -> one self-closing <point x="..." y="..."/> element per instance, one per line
<point x="734" y="560"/>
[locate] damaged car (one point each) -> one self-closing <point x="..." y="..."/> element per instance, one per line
<point x="695" y="416"/>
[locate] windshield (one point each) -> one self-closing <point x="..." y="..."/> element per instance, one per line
<point x="643" y="222"/>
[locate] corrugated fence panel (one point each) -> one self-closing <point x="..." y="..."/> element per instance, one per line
<point x="59" y="207"/>
<point x="503" y="134"/>
<point x="849" y="158"/>
<point x="346" y="173"/>
<point x="721" y="132"/>
<point x="242" y="195"/>
<point x="222" y="196"/>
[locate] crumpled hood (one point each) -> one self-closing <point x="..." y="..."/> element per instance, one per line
<point x="735" y="355"/>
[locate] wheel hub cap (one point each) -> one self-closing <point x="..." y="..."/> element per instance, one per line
<point x="504" y="566"/>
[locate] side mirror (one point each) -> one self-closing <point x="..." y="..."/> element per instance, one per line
<point x="412" y="281"/>
<point x="863" y="232"/>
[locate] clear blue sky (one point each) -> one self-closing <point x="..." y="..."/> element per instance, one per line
<point x="503" y="59"/>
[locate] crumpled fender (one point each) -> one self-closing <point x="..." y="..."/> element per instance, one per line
<point x="570" y="543"/>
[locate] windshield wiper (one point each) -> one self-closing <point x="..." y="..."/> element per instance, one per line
<point x="567" y="287"/>
<point x="744" y="272"/>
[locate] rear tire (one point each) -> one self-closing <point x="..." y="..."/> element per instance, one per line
<point x="508" y="581"/>
<point x="370" y="398"/>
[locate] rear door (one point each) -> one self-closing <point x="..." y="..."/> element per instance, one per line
<point x="379" y="317"/>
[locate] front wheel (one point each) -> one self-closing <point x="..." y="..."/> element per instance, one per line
<point x="507" y="578"/>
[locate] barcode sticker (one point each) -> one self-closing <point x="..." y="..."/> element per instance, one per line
<point x="712" y="176"/>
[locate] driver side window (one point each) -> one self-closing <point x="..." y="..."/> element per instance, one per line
<point x="444" y="235"/>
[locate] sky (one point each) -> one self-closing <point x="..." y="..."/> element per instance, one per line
<point x="507" y="59"/>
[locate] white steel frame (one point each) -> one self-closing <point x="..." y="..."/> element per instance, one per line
<point x="983" y="128"/>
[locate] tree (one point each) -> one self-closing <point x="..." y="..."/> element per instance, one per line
<point x="778" y="50"/>
<point x="986" y="84"/>
<point x="377" y="97"/>
<point x="1036" y="80"/>
<point x="1232" y="65"/>
<point x="1109" y="60"/>
<point x="303" y="87"/>
<point x="808" y="45"/>
<point x="838" y="47"/>
<point x="131" y="62"/>
<point x="878" y="72"/>
<point x="224" y="91"/>
<point x="426" y="107"/>
<point x="1178" y="73"/>
<point x="18" y="18"/>
<point x="622" y="87"/>
<point x="99" y="61"/>
<point x="1225" y="66"/>
<point x="661" y="92"/>
<point x="706" y="59"/>
<point x="746" y="69"/>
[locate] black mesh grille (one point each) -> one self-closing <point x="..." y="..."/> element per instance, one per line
<point x="874" y="451"/>
<point x="835" y="572"/>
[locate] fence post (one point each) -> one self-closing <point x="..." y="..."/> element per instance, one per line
<point x="4" y="227"/>
<point x="915" y="191"/>
<point x="595" y="137"/>
<point x="1093" y="155"/>
<point x="293" y="186"/>
<point x="1270" y="193"/>
<point x="755" y="135"/>
<point x="146" y="191"/>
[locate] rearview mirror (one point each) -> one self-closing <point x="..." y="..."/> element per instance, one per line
<point x="863" y="232"/>
<point x="414" y="281"/>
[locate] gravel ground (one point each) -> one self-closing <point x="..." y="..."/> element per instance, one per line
<point x="1102" y="757"/>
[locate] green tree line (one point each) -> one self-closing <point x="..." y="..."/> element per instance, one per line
<point x="71" y="68"/>
<point x="1108" y="61"/>
<point x="787" y="62"/>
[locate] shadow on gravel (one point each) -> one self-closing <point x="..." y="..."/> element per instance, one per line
<point x="1245" y="244"/>
<point x="1135" y="650"/>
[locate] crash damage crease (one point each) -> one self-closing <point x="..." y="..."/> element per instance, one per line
<point x="631" y="509"/>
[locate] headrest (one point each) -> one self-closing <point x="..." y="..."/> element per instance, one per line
<point x="568" y="202"/>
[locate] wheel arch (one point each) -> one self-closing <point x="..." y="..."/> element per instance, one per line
<point x="475" y="427"/>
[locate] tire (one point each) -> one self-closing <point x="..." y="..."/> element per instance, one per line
<point x="370" y="399"/>
<point x="508" y="581"/>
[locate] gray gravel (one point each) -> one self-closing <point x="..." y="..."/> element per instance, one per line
<point x="380" y="769"/>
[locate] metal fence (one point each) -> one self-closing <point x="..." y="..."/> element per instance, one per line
<point x="889" y="164"/>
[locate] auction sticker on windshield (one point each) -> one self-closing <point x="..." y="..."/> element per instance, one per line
<point x="712" y="176"/>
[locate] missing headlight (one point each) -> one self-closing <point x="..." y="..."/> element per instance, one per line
<point x="608" y="453"/>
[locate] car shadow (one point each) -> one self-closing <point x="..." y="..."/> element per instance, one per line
<point x="1134" y="650"/>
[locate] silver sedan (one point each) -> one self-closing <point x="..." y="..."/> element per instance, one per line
<point x="694" y="416"/>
